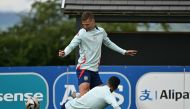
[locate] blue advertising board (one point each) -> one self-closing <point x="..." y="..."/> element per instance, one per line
<point x="54" y="84"/>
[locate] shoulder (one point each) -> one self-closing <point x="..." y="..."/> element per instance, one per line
<point x="102" y="31"/>
<point x="81" y="32"/>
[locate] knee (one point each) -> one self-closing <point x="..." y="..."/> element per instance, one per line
<point x="84" y="87"/>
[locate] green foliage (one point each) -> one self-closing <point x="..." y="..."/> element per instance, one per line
<point x="38" y="37"/>
<point x="165" y="27"/>
<point x="119" y="27"/>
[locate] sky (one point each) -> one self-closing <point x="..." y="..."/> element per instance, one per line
<point x="16" y="5"/>
<point x="9" y="10"/>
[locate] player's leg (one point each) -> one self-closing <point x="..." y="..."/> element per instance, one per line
<point x="84" y="88"/>
<point x="83" y="81"/>
<point x="95" y="80"/>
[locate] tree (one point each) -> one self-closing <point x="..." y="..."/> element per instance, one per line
<point x="38" y="37"/>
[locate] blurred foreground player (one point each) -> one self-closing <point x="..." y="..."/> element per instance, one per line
<point x="97" y="98"/>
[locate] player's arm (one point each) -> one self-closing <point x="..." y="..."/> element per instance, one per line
<point x="112" y="101"/>
<point x="75" y="42"/>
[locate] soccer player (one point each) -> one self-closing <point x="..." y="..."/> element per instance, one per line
<point x="97" y="98"/>
<point x="90" y="39"/>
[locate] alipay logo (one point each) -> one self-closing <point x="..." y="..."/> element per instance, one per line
<point x="15" y="88"/>
<point x="163" y="90"/>
<point x="67" y="83"/>
<point x="165" y="94"/>
<point x="145" y="95"/>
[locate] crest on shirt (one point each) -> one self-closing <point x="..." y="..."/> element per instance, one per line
<point x="85" y="78"/>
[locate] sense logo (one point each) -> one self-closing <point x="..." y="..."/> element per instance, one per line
<point x="15" y="88"/>
<point x="67" y="83"/>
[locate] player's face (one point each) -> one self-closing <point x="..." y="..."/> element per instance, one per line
<point x="88" y="24"/>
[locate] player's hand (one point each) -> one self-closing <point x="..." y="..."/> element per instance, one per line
<point x="61" y="53"/>
<point x="131" y="52"/>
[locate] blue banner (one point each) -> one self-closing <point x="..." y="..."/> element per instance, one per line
<point x="142" y="87"/>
